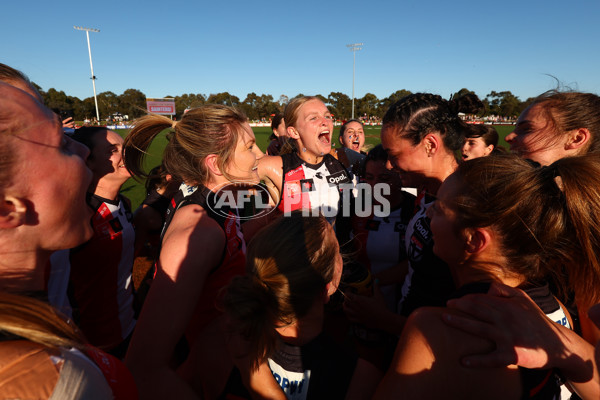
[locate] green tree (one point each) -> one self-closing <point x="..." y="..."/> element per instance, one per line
<point x="57" y="101"/>
<point x="341" y="105"/>
<point x="283" y="101"/>
<point x="250" y="106"/>
<point x="322" y="98"/>
<point x="85" y="109"/>
<point x="385" y="104"/>
<point x="108" y="104"/>
<point x="132" y="103"/>
<point x="462" y="92"/>
<point x="504" y="104"/>
<point x="267" y="106"/>
<point x="257" y="107"/>
<point x="368" y="105"/>
<point x="190" y="100"/>
<point x="224" y="98"/>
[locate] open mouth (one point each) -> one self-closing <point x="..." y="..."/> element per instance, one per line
<point x="325" y="138"/>
<point x="356" y="146"/>
<point x="465" y="156"/>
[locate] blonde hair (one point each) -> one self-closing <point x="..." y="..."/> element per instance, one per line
<point x="290" y="116"/>
<point x="208" y="129"/>
<point x="289" y="263"/>
<point x="36" y="321"/>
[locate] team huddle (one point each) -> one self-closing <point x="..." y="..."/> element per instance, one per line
<point x="434" y="265"/>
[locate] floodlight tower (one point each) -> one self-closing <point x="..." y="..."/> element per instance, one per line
<point x="354" y="47"/>
<point x="87" y="34"/>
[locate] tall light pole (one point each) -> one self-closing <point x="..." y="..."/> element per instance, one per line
<point x="87" y="34"/>
<point x="354" y="47"/>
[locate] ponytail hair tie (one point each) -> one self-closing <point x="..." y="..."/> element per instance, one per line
<point x="551" y="172"/>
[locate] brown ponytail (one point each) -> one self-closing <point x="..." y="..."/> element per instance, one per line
<point x="547" y="219"/>
<point x="289" y="264"/>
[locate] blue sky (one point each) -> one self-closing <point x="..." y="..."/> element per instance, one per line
<point x="175" y="47"/>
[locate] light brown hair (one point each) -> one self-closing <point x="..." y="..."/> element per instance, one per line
<point x="567" y="111"/>
<point x="547" y="218"/>
<point x="208" y="129"/>
<point x="289" y="263"/>
<point x="19" y="80"/>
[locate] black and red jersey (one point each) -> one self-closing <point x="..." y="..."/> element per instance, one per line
<point x="233" y="258"/>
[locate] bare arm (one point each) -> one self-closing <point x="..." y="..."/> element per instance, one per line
<point x="191" y="248"/>
<point x="258" y="381"/>
<point x="270" y="170"/>
<point x="426" y="365"/>
<point x="524" y="336"/>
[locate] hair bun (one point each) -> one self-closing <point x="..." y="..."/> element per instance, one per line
<point x="468" y="103"/>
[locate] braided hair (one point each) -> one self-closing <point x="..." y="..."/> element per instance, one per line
<point x="418" y="114"/>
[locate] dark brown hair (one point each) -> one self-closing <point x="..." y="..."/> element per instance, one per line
<point x="275" y="124"/>
<point x="487" y="133"/>
<point x="416" y="115"/>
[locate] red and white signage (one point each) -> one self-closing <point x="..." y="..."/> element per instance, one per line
<point x="161" y="106"/>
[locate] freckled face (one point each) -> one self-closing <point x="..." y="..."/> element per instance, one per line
<point x="314" y="126"/>
<point x="354" y="136"/>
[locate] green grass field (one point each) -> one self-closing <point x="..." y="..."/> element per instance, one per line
<point x="136" y="192"/>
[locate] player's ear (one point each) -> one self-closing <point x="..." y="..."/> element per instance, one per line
<point x="13" y="211"/>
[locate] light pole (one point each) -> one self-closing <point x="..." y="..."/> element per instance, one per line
<point x="354" y="47"/>
<point x="87" y="34"/>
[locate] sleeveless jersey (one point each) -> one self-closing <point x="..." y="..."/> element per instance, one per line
<point x="314" y="187"/>
<point x="320" y="369"/>
<point x="100" y="283"/>
<point x="538" y="384"/>
<point x="233" y="258"/>
<point x="380" y="242"/>
<point x="428" y="282"/>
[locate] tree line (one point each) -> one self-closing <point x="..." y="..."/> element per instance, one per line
<point x="259" y="107"/>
